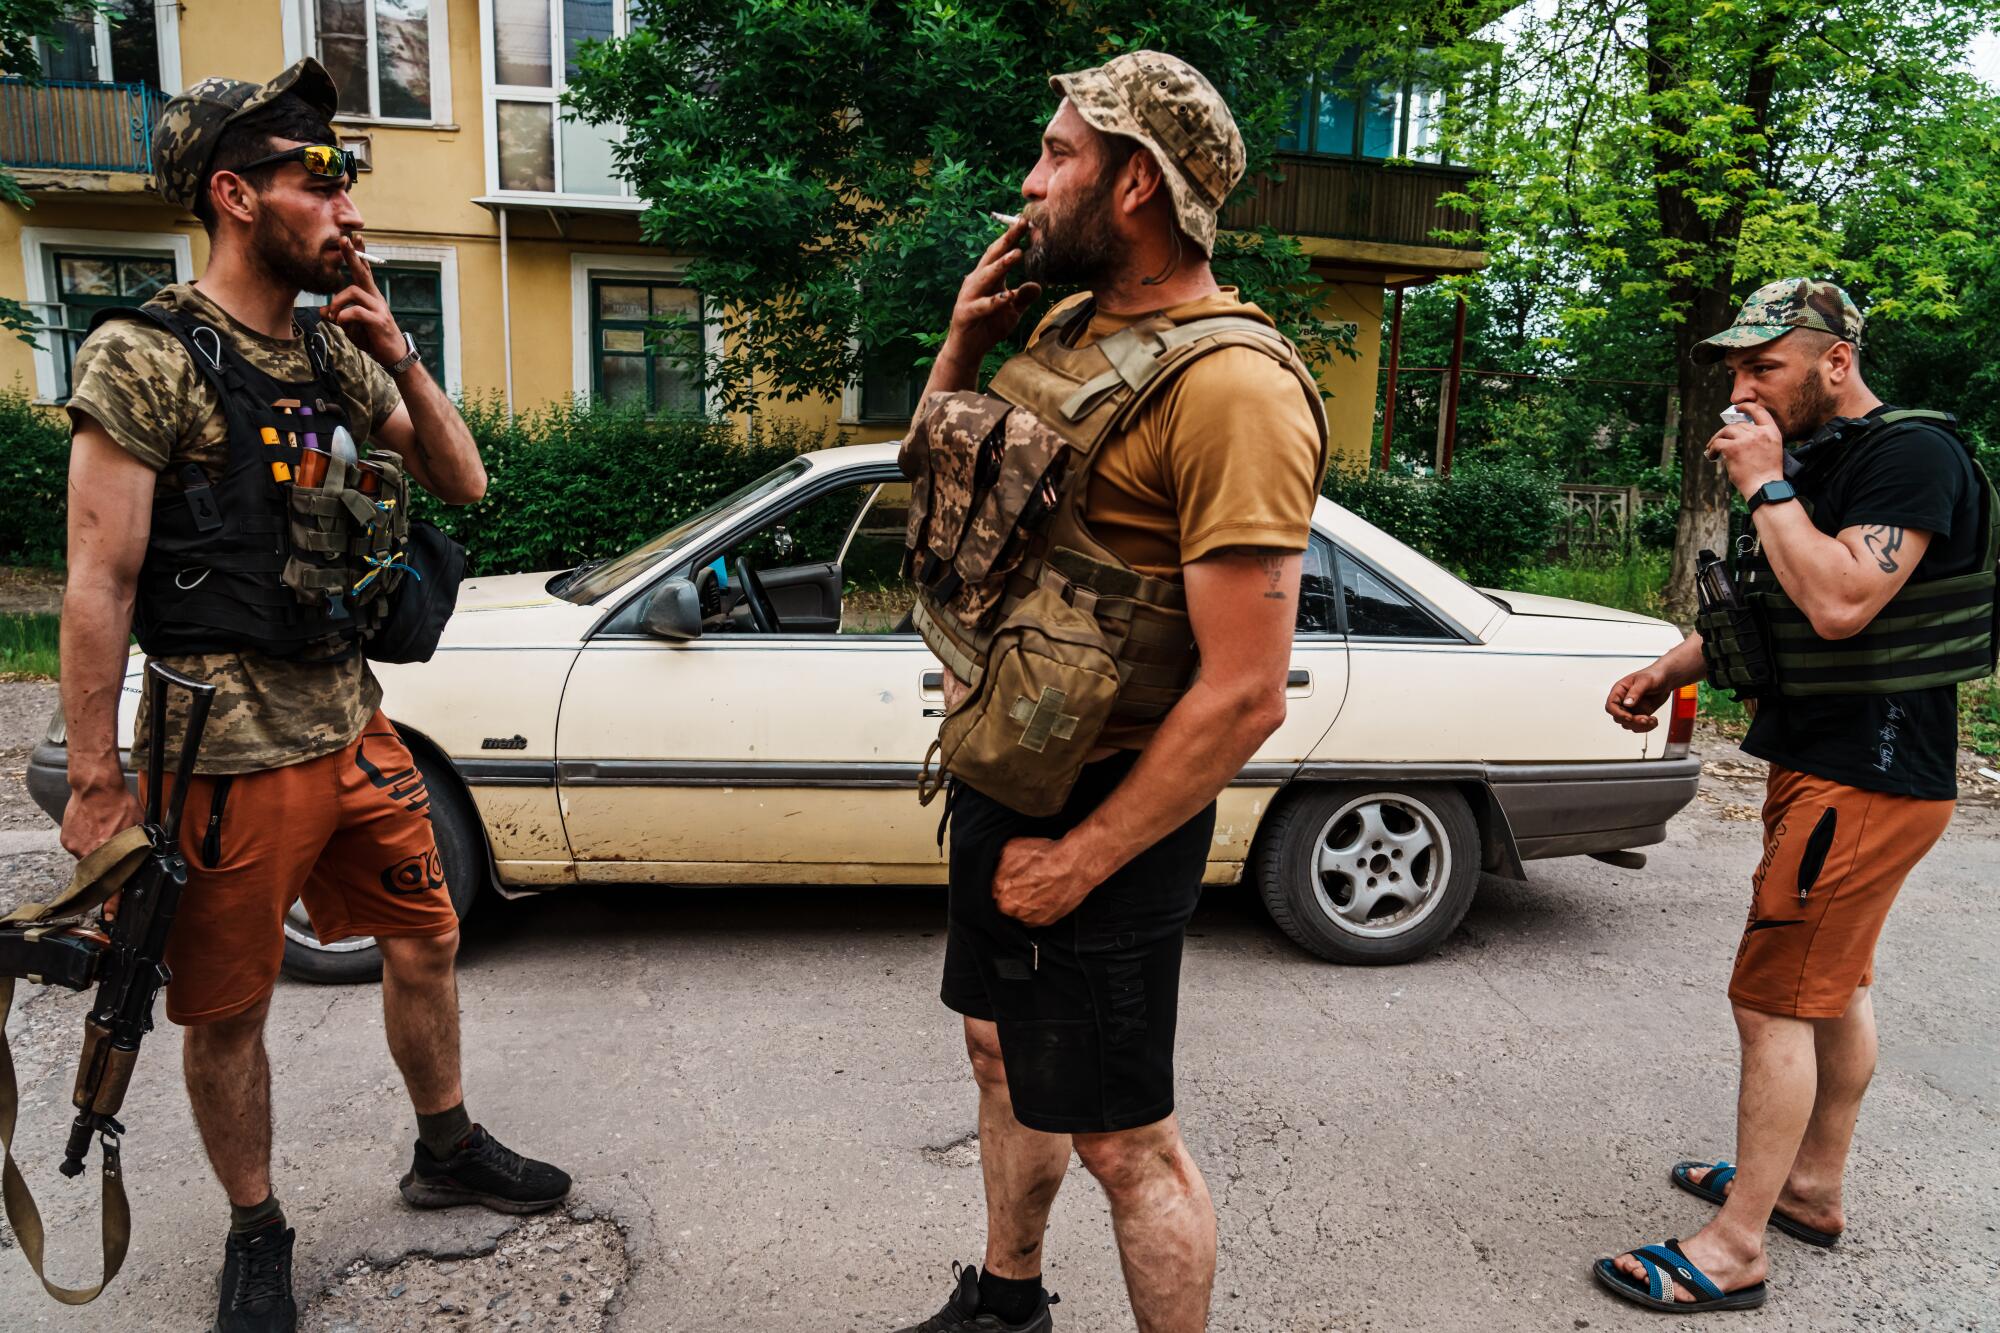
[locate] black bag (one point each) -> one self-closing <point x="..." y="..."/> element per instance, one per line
<point x="422" y="600"/>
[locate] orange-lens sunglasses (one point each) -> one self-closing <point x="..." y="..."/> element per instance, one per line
<point x="317" y="159"/>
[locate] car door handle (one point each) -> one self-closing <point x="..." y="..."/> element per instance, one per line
<point x="1296" y="679"/>
<point x="931" y="680"/>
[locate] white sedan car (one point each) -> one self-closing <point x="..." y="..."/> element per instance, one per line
<point x="741" y="701"/>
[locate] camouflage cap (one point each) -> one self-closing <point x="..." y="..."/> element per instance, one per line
<point x="1776" y="308"/>
<point x="1165" y="103"/>
<point x="191" y="124"/>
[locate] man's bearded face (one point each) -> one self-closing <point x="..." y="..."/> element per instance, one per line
<point x="295" y="259"/>
<point x="1806" y="408"/>
<point x="1071" y="242"/>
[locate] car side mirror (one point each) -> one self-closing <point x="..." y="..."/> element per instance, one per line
<point x="672" y="611"/>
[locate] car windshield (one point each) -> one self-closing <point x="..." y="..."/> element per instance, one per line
<point x="587" y="583"/>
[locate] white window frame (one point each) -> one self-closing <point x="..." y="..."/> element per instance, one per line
<point x="445" y="259"/>
<point x="38" y="246"/>
<point x="551" y="96"/>
<point x="643" y="268"/>
<point x="166" y="42"/>
<point x="300" y="23"/>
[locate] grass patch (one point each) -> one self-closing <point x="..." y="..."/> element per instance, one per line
<point x="1979" y="716"/>
<point x="1636" y="581"/>
<point x="28" y="646"/>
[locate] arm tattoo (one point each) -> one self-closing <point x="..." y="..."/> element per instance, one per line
<point x="1883" y="542"/>
<point x="1274" y="575"/>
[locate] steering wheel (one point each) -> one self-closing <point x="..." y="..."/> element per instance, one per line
<point x="761" y="615"/>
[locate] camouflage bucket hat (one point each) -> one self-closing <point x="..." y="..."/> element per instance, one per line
<point x="1777" y="308"/>
<point x="191" y="124"/>
<point x="1166" y="104"/>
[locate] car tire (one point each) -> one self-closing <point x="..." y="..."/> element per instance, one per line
<point x="1369" y="874"/>
<point x="462" y="849"/>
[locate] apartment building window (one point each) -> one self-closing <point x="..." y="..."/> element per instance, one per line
<point x="389" y="57"/>
<point x="85" y="283"/>
<point x="416" y="298"/>
<point x="890" y="387"/>
<point x="533" y="46"/>
<point x="118" y="42"/>
<point x="1334" y="118"/>
<point x="644" y="341"/>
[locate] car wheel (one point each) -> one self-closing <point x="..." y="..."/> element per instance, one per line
<point x="462" y="849"/>
<point x="1368" y="874"/>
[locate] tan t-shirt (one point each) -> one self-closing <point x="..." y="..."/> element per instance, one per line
<point x="1227" y="455"/>
<point x="137" y="381"/>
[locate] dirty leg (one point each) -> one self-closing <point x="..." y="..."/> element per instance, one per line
<point x="1164" y="1221"/>
<point x="420" y="1014"/>
<point x="229" y="1089"/>
<point x="1023" y="1167"/>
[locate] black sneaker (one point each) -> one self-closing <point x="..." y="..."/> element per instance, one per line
<point x="482" y="1171"/>
<point x="961" y="1312"/>
<point x="256" y="1286"/>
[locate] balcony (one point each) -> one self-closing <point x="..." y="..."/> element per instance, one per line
<point x="1363" y="210"/>
<point x="60" y="135"/>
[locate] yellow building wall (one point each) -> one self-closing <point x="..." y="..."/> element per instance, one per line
<point x="420" y="192"/>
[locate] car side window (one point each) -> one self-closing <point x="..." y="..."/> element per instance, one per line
<point x="1377" y="610"/>
<point x="1319" y="589"/>
<point x="877" y="598"/>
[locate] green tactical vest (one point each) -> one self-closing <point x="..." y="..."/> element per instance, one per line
<point x="1938" y="632"/>
<point x="1052" y="631"/>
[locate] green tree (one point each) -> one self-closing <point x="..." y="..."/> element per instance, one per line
<point x="1648" y="162"/>
<point x="21" y="22"/>
<point x="831" y="165"/>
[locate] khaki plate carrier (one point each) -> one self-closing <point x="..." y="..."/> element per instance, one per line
<point x="1052" y="632"/>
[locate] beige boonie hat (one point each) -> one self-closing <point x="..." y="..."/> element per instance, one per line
<point x="191" y="124"/>
<point x="1777" y="308"/>
<point x="1165" y="103"/>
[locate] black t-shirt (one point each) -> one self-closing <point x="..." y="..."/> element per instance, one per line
<point x="1911" y="475"/>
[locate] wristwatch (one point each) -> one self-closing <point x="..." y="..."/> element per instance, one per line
<point x="1771" y="492"/>
<point x="409" y="360"/>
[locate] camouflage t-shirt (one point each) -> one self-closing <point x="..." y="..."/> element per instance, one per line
<point x="137" y="381"/>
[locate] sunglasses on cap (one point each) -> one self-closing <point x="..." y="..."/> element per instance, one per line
<point x="318" y="160"/>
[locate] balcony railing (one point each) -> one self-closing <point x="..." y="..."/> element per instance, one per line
<point x="59" y="125"/>
<point x="1355" y="199"/>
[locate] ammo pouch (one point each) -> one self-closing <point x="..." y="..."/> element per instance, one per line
<point x="990" y="480"/>
<point x="1735" y="642"/>
<point x="347" y="545"/>
<point x="1023" y="732"/>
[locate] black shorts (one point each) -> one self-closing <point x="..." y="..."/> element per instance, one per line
<point x="1085" y="1007"/>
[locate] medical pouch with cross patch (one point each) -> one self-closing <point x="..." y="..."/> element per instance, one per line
<point x="249" y="560"/>
<point x="1010" y="577"/>
<point x="1023" y="735"/>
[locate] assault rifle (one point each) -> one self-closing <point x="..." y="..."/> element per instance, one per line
<point x="122" y="952"/>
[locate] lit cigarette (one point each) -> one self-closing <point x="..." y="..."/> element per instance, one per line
<point x="1005" y="219"/>
<point x="363" y="257"/>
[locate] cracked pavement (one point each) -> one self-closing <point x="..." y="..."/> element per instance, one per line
<point x="759" y="1087"/>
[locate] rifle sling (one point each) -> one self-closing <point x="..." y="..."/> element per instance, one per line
<point x="98" y="878"/>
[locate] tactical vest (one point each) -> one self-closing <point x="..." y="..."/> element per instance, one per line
<point x="1938" y="632"/>
<point x="256" y="561"/>
<point x="1053" y="632"/>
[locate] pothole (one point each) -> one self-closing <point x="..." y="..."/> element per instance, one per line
<point x="962" y="1151"/>
<point x="556" y="1272"/>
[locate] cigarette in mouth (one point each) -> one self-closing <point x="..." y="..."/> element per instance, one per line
<point x="1005" y="219"/>
<point x="363" y="257"/>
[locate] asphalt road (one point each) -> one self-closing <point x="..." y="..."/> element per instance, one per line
<point x="760" y="1089"/>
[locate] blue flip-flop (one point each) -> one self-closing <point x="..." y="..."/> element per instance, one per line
<point x="1711" y="1188"/>
<point x="1664" y="1264"/>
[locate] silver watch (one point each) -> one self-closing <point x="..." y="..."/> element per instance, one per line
<point x="410" y="359"/>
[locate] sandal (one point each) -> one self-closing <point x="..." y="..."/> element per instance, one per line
<point x="1711" y="1188"/>
<point x="1663" y="1264"/>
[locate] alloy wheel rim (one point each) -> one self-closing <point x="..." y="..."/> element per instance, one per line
<point x="1380" y="864"/>
<point x="298" y="927"/>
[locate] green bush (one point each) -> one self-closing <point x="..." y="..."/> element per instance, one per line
<point x="1485" y="521"/>
<point x="34" y="470"/>
<point x="572" y="482"/>
<point x="1657" y="524"/>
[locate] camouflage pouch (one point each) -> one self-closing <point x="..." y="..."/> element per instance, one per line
<point x="988" y="476"/>
<point x="345" y="533"/>
<point x="1023" y="735"/>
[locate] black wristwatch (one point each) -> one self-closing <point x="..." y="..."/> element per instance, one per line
<point x="1772" y="492"/>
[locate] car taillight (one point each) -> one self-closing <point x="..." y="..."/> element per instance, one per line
<point x="1680" y="726"/>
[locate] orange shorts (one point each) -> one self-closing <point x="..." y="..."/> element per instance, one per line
<point x="348" y="832"/>
<point x="1834" y="858"/>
